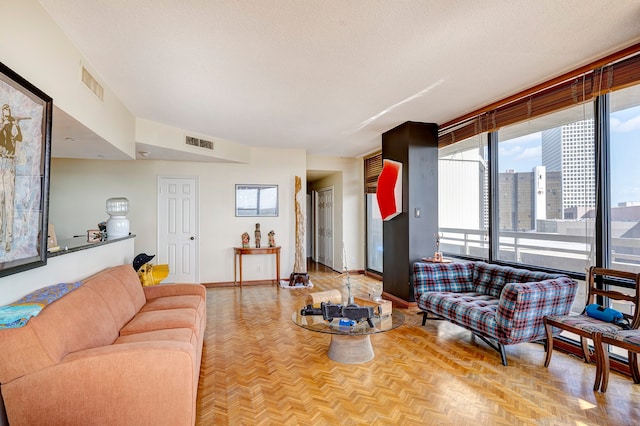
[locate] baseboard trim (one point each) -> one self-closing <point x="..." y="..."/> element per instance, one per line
<point x="398" y="302"/>
<point x="244" y="283"/>
<point x="373" y="275"/>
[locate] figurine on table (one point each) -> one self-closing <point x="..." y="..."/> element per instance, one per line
<point x="257" y="235"/>
<point x="437" y="256"/>
<point x="272" y="238"/>
<point x="245" y="240"/>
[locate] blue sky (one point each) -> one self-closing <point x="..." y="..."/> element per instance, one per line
<point x="524" y="153"/>
<point x="625" y="155"/>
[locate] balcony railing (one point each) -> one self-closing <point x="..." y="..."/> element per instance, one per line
<point x="555" y="251"/>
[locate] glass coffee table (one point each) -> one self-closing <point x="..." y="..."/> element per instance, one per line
<point x="349" y="344"/>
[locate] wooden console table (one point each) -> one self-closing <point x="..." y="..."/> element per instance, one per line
<point x="239" y="251"/>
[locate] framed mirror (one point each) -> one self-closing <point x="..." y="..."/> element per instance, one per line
<point x="256" y="200"/>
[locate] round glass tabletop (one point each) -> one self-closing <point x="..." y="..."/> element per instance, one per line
<point x="362" y="328"/>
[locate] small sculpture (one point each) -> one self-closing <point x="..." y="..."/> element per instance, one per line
<point x="296" y="278"/>
<point x="437" y="256"/>
<point x="272" y="238"/>
<point x="257" y="235"/>
<point x="245" y="240"/>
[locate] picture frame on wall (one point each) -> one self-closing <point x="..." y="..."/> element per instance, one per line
<point x="256" y="200"/>
<point x="25" y="157"/>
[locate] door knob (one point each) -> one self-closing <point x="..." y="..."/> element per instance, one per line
<point x="192" y="238"/>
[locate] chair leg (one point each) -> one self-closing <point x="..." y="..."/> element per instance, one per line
<point x="548" y="346"/>
<point x="599" y="352"/>
<point x="585" y="349"/>
<point x="633" y="366"/>
<point x="503" y="354"/>
<point x="603" y="359"/>
<point x="425" y="315"/>
<point x="495" y="345"/>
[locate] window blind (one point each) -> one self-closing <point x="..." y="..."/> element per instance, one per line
<point x="615" y="72"/>
<point x="372" y="169"/>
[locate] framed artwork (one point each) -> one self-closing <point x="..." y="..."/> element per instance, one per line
<point x="25" y="157"/>
<point x="256" y="200"/>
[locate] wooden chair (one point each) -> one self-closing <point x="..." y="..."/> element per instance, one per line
<point x="585" y="326"/>
<point x="625" y="339"/>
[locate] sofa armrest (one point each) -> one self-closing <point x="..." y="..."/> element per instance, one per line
<point x="522" y="307"/>
<point x="133" y="383"/>
<point x="455" y="277"/>
<point x="164" y="290"/>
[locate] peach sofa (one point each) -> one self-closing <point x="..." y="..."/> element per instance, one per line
<point x="109" y="352"/>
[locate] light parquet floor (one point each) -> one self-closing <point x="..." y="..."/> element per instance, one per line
<point x="259" y="368"/>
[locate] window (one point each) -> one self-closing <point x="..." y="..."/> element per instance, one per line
<point x="546" y="190"/>
<point x="463" y="212"/>
<point x="624" y="128"/>
<point x="256" y="200"/>
<point x="372" y="169"/>
<point x="374" y="235"/>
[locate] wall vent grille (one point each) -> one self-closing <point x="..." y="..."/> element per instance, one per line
<point x="92" y="84"/>
<point x="202" y="143"/>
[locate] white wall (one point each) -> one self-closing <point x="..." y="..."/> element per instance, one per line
<point x="69" y="267"/>
<point x="164" y="136"/>
<point x="79" y="189"/>
<point x="348" y="207"/>
<point x="34" y="46"/>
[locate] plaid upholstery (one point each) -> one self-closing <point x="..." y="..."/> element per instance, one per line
<point x="586" y="323"/>
<point x="490" y="279"/>
<point x="474" y="311"/>
<point x="456" y="277"/>
<point x="499" y="302"/>
<point x="523" y="305"/>
<point x="630" y="337"/>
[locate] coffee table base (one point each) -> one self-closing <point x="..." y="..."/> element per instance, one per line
<point x="350" y="349"/>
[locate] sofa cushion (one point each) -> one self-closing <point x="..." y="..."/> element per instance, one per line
<point x="457" y="277"/>
<point x="126" y="277"/>
<point x="172" y="335"/>
<point x="474" y="311"/>
<point x="174" y="302"/>
<point x="491" y="278"/>
<point x="514" y="275"/>
<point x="163" y="319"/>
<point x="586" y="323"/>
<point x="78" y="321"/>
<point x="115" y="296"/>
<point x="488" y="278"/>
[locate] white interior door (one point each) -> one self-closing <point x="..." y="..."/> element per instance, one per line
<point x="325" y="227"/>
<point x="321" y="226"/>
<point x="178" y="228"/>
<point x="316" y="227"/>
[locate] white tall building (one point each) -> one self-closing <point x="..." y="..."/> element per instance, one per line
<point x="570" y="149"/>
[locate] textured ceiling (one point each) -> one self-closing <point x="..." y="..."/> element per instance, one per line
<point x="331" y="76"/>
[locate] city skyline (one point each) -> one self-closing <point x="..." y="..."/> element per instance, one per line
<point x="524" y="153"/>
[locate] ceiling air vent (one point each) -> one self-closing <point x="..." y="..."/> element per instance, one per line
<point x="202" y="143"/>
<point x="92" y="84"/>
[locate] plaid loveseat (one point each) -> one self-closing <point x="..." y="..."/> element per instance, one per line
<point x="499" y="304"/>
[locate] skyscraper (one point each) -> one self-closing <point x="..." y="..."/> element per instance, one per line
<point x="570" y="149"/>
<point x="526" y="197"/>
